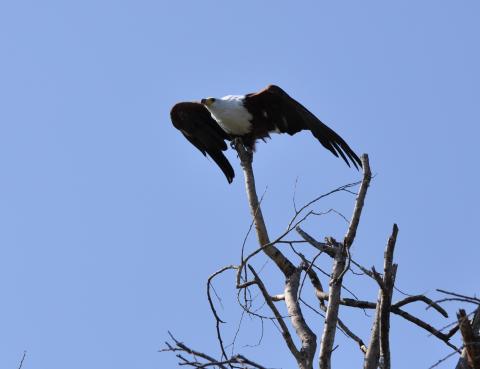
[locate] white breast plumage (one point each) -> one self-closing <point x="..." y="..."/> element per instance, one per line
<point x="231" y="115"/>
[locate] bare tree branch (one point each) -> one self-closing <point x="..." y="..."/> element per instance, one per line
<point x="318" y="245"/>
<point x="378" y="351"/>
<point x="319" y="293"/>
<point x="471" y="340"/>
<point x="458" y="297"/>
<point x="304" y="357"/>
<point x="331" y="315"/>
<point x="357" y="211"/>
<point x="443" y="359"/>
<point x="379" y="347"/>
<point x="285" y="332"/>
<point x="373" y="352"/>
<point x="443" y="337"/>
<point x="218" y="321"/>
<point x="240" y="359"/>
<point x="179" y="346"/>
<point x="270" y="250"/>
<point x="338" y="189"/>
<point x="464" y="297"/>
<point x="22" y="360"/>
<point x="390" y="271"/>
<point x="306" y="335"/>
<point x="423" y="298"/>
<point x="352" y="335"/>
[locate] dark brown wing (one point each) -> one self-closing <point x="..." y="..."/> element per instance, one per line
<point x="279" y="112"/>
<point x="198" y="127"/>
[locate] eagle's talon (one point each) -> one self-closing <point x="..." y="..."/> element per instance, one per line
<point x="235" y="142"/>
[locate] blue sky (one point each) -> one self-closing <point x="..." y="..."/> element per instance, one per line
<point x="110" y="221"/>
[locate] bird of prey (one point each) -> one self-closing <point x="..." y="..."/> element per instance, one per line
<point x="209" y="123"/>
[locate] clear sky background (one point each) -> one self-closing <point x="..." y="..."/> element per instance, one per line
<point x="110" y="221"/>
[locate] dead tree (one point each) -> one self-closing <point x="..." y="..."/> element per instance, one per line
<point x="377" y="353"/>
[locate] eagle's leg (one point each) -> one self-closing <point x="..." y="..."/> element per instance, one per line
<point x="245" y="142"/>
<point x="236" y="141"/>
<point x="244" y="151"/>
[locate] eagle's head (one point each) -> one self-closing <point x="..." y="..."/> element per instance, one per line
<point x="208" y="101"/>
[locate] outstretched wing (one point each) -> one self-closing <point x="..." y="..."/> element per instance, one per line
<point x="286" y="115"/>
<point x="198" y="127"/>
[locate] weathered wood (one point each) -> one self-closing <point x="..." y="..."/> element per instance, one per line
<point x="331" y="315"/>
<point x="271" y="251"/>
<point x="389" y="274"/>
<point x="471" y="340"/>
<point x="306" y="335"/>
<point x="304" y="356"/>
<point x="379" y="347"/>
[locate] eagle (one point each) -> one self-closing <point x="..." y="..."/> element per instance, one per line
<point x="212" y="121"/>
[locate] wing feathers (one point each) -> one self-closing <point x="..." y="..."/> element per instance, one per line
<point x="287" y="115"/>
<point x="224" y="164"/>
<point x="201" y="130"/>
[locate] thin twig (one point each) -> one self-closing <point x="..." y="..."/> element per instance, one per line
<point x="218" y="321"/>
<point x="423" y="298"/>
<point x="318" y="245"/>
<point x="22" y="360"/>
<point x="209" y="360"/>
<point x="305" y="206"/>
<point x="285" y="332"/>
<point x="443" y="359"/>
<point x="182" y="347"/>
<point x="459" y="295"/>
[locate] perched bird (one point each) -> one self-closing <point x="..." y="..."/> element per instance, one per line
<point x="251" y="117"/>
